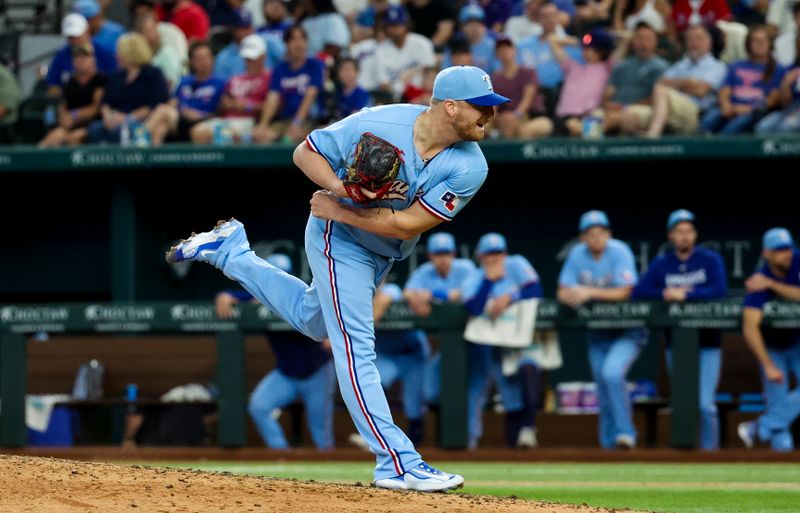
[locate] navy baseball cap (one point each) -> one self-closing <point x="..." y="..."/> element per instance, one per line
<point x="593" y="218"/>
<point x="471" y="12"/>
<point x="491" y="243"/>
<point x="441" y="243"/>
<point x="281" y="261"/>
<point x="466" y="83"/>
<point x="598" y="38"/>
<point x="242" y="18"/>
<point x="679" y="216"/>
<point x="777" y="239"/>
<point x="395" y="15"/>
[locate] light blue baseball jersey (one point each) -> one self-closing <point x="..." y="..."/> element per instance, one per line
<point x="443" y="185"/>
<point x="425" y="277"/>
<point x="615" y="267"/>
<point x="519" y="272"/>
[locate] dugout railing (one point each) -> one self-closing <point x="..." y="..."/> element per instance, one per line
<point x="17" y="322"/>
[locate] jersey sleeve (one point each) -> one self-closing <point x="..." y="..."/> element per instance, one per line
<point x="625" y="274"/>
<point x="336" y="142"/>
<point x="417" y="280"/>
<point x="446" y="199"/>
<point x="393" y="291"/>
<point x="521" y="271"/>
<point x="569" y="272"/>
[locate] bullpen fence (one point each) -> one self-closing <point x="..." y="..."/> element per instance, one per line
<point x="19" y="321"/>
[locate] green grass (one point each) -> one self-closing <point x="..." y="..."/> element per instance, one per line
<point x="662" y="487"/>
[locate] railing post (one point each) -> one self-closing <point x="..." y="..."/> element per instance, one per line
<point x="453" y="432"/>
<point x="685" y="400"/>
<point x="123" y="244"/>
<point x="13" y="386"/>
<point x="232" y="384"/>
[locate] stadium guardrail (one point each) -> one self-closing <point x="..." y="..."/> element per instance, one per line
<point x="27" y="158"/>
<point x="684" y="319"/>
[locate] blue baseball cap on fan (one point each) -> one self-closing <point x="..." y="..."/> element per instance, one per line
<point x="777" y="239"/>
<point x="466" y="83"/>
<point x="441" y="243"/>
<point x="281" y="261"/>
<point x="395" y="15"/>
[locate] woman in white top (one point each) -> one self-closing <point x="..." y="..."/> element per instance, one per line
<point x="629" y="13"/>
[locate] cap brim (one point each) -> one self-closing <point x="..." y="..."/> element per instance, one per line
<point x="594" y="225"/>
<point x="250" y="55"/>
<point x="489" y="100"/>
<point x="72" y="32"/>
<point x="781" y="248"/>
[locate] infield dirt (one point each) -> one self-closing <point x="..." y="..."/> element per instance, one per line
<point x="48" y="485"/>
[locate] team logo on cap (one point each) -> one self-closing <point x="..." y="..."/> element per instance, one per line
<point x="488" y="83"/>
<point x="450" y="200"/>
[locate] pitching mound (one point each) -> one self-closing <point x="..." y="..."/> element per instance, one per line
<point x="63" y="486"/>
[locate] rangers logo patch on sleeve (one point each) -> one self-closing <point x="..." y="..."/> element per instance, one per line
<point x="450" y="201"/>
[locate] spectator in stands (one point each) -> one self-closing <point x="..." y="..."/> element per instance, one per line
<point x="196" y="98"/>
<point x="460" y="53"/>
<point x="365" y="53"/>
<point x="628" y="14"/>
<point x="521" y="117"/>
<point x="434" y="19"/>
<point x="584" y="84"/>
<point x="294" y="102"/>
<point x="786" y="120"/>
<point x="402" y="56"/>
<point x="481" y="43"/>
<point x="132" y="92"/>
<point x="76" y="29"/>
<point x="187" y="16"/>
<point x="229" y="62"/>
<point x="600" y="268"/>
<point x="688" y="13"/>
<point x="691" y="273"/>
<point x="327" y="30"/>
<point x="777" y="350"/>
<point x="370" y="19"/>
<point x="422" y="95"/>
<point x="781" y="16"/>
<point x="591" y="13"/>
<point x="536" y="52"/>
<point x="787" y="42"/>
<point x="276" y="17"/>
<point x="168" y="33"/>
<point x="10" y="96"/>
<point x="165" y="57"/>
<point x="104" y="32"/>
<point x="303" y="370"/>
<point x="750" y="89"/>
<point x="519" y="28"/>
<point x="686" y="89"/>
<point x="80" y="102"/>
<point x="223" y="13"/>
<point x="350" y="98"/>
<point x="497" y="13"/>
<point x="402" y="355"/>
<point x="632" y="80"/>
<point x="242" y="101"/>
<point x="500" y="281"/>
<point x="440" y="280"/>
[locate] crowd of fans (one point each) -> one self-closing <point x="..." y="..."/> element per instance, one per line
<point x="261" y="71"/>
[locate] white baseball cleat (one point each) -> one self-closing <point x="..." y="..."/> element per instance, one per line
<point x="425" y="478"/>
<point x="526" y="439"/>
<point x="422" y="478"/>
<point x="625" y="442"/>
<point x="391" y="483"/>
<point x="202" y="246"/>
